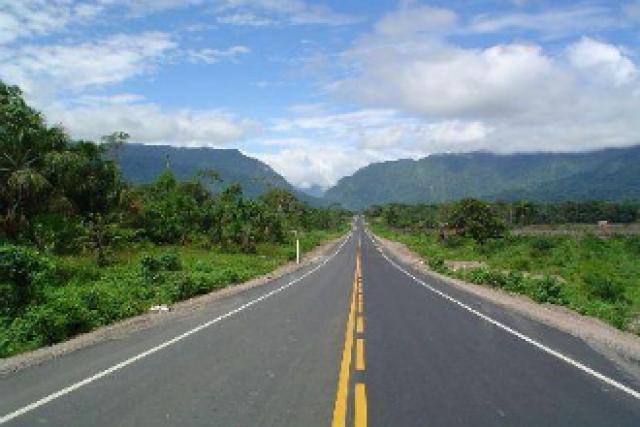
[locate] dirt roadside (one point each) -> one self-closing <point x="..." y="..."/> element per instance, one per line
<point x="178" y="310"/>
<point x="621" y="347"/>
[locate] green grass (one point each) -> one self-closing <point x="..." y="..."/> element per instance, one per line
<point x="594" y="276"/>
<point x="75" y="296"/>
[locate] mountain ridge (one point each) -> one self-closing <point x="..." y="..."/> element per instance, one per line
<point x="142" y="163"/>
<point x="605" y="174"/>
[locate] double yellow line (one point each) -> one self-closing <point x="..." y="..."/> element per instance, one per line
<point x="356" y="318"/>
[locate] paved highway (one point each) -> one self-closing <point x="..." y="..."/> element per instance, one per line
<point x="358" y="339"/>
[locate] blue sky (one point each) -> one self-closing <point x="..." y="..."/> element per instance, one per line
<point x="320" y="89"/>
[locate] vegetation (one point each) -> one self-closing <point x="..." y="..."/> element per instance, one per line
<point x="80" y="247"/>
<point x="142" y="164"/>
<point x="592" y="275"/>
<point x="513" y="214"/>
<point x="611" y="174"/>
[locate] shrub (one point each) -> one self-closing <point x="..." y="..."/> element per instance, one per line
<point x="633" y="244"/>
<point x="515" y="281"/>
<point x="436" y="263"/>
<point x="547" y="289"/>
<point x="454" y="241"/>
<point x="542" y="245"/>
<point x="476" y="219"/>
<point x="604" y="287"/>
<point x="57" y="233"/>
<point x="167" y="261"/>
<point x="21" y="272"/>
<point x="521" y="263"/>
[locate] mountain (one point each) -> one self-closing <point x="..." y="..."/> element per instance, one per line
<point x="609" y="174"/>
<point x="143" y="163"/>
<point x="314" y="190"/>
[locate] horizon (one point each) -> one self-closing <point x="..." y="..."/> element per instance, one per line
<point x="317" y="91"/>
<point x="319" y="191"/>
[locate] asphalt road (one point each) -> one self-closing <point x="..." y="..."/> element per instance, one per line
<point x="354" y="340"/>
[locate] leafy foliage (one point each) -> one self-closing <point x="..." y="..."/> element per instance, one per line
<point x="592" y="275"/>
<point x="476" y="219"/>
<point x="71" y="230"/>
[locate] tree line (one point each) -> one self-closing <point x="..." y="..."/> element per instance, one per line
<point x="63" y="195"/>
<point x="519" y="213"/>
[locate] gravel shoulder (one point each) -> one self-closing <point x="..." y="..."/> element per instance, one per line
<point x="623" y="348"/>
<point x="179" y="310"/>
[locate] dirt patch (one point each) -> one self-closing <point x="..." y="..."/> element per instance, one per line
<point x="464" y="265"/>
<point x="623" y="348"/>
<point x="178" y="310"/>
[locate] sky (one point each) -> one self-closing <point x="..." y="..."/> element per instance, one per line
<point x="319" y="89"/>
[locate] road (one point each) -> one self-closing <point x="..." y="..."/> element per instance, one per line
<point x="357" y="339"/>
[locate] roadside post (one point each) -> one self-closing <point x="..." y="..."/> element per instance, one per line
<point x="295" y="232"/>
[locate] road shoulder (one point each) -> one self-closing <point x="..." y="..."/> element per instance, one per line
<point x="620" y="347"/>
<point x="177" y="311"/>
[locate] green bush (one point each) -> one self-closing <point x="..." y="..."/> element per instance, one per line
<point x="22" y="271"/>
<point x="454" y="241"/>
<point x="436" y="263"/>
<point x="515" y="281"/>
<point x="167" y="261"/>
<point x="542" y="245"/>
<point x="547" y="289"/>
<point x="521" y="264"/>
<point x="633" y="244"/>
<point x="604" y="287"/>
<point x="57" y="233"/>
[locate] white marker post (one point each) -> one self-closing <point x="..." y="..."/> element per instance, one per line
<point x="295" y="232"/>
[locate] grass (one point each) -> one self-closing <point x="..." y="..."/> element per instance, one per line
<point x="594" y="276"/>
<point x="72" y="295"/>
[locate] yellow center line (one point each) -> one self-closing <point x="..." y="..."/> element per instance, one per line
<point x="340" y="407"/>
<point x="360" y="413"/>
<point x="360" y="354"/>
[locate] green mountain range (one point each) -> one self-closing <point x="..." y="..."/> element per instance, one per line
<point x="143" y="163"/>
<point x="609" y="174"/>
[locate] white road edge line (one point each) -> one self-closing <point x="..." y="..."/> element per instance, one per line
<point x="539" y="345"/>
<point x="19" y="412"/>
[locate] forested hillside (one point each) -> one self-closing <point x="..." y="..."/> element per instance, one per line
<point x="144" y="163"/>
<point x="611" y="174"/>
<point x="81" y="247"/>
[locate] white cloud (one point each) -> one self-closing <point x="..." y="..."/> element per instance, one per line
<point x="23" y="18"/>
<point x="317" y="147"/>
<point x="79" y="66"/>
<point x="147" y="122"/>
<point x="416" y="20"/>
<point x="272" y="12"/>
<point x="211" y="56"/>
<point x="315" y="164"/>
<point x="605" y="60"/>
<point x="246" y="19"/>
<point x="282" y="142"/>
<point x="553" y="22"/>
<point x="437" y="79"/>
<point x="506" y="97"/>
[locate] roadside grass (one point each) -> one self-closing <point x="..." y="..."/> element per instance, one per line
<point x="593" y="276"/>
<point x="71" y="295"/>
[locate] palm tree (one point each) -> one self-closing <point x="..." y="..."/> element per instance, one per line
<point x="21" y="181"/>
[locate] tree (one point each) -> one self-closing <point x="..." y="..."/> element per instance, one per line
<point x="476" y="219"/>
